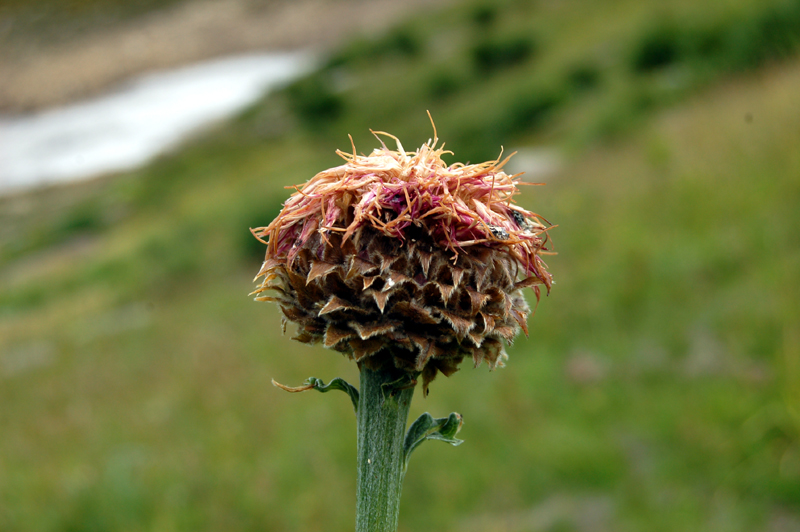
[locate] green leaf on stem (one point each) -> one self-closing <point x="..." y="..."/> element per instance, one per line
<point x="428" y="428"/>
<point x="313" y="383"/>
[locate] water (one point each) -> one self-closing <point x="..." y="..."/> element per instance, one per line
<point x="126" y="129"/>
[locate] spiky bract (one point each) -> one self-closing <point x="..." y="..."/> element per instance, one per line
<point x="397" y="258"/>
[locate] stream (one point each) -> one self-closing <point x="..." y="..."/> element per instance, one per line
<point x="141" y="119"/>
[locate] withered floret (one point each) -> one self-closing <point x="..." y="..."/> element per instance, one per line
<point x="399" y="259"/>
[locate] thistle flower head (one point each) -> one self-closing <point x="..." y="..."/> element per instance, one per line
<point x="398" y="258"/>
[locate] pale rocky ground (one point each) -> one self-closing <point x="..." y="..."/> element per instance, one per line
<point x="35" y="76"/>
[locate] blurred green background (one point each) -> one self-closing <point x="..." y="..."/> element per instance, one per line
<point x="659" y="389"/>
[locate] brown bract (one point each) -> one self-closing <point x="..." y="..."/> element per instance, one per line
<point x="397" y="258"/>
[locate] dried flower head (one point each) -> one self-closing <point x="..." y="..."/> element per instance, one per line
<point x="397" y="258"/>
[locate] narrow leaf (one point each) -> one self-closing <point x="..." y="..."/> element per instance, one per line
<point x="319" y="385"/>
<point x="428" y="428"/>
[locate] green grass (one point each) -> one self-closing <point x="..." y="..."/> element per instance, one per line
<point x="523" y="75"/>
<point x="659" y="388"/>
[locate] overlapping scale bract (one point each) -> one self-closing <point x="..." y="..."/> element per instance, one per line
<point x="382" y="292"/>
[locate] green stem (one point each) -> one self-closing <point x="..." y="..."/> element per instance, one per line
<point x="381" y="430"/>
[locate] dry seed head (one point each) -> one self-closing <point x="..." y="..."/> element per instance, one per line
<point x="397" y="258"/>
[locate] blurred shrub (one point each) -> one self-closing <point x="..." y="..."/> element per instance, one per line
<point x="313" y="100"/>
<point x="657" y="48"/>
<point x="584" y="77"/>
<point x="444" y="83"/>
<point x="769" y="32"/>
<point x="484" y="15"/>
<point x="773" y="33"/>
<point x="529" y="110"/>
<point x="401" y="42"/>
<point x="479" y="139"/>
<point x="498" y="53"/>
<point x="85" y="218"/>
<point x="706" y="42"/>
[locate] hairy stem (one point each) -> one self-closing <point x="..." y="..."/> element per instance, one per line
<point x="382" y="417"/>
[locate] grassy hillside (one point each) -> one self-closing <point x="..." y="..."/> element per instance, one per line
<point x="659" y="389"/>
<point x="58" y="21"/>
